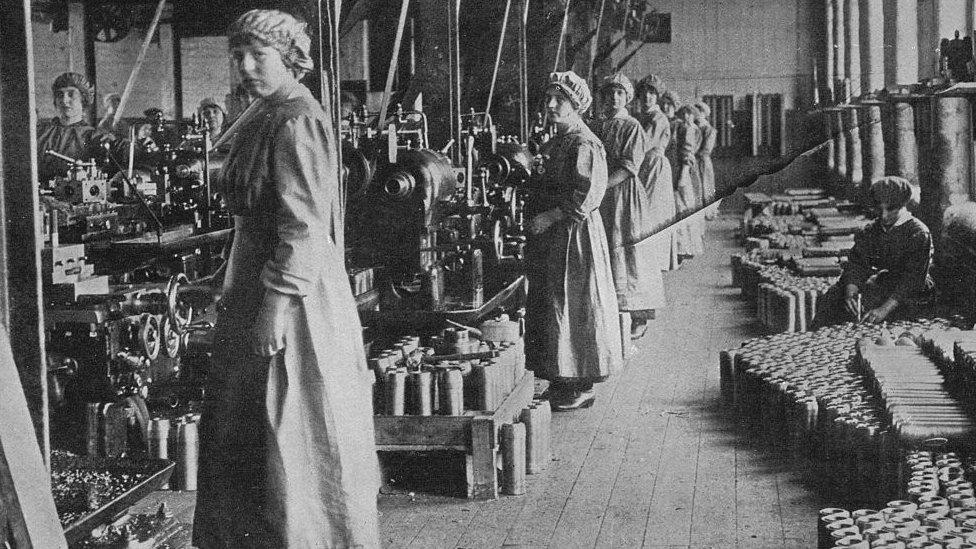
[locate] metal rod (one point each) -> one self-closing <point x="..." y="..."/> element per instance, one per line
<point x="595" y="45"/>
<point x="523" y="73"/>
<point x="562" y="36"/>
<point x="498" y="55"/>
<point x="117" y="115"/>
<point x="238" y="122"/>
<point x="394" y="61"/>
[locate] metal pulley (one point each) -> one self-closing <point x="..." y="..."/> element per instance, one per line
<point x="357" y="170"/>
<point x="172" y="340"/>
<point x="510" y="165"/>
<point x="150" y="335"/>
<point x="178" y="311"/>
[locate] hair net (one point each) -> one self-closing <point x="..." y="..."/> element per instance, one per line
<point x="77" y="81"/>
<point x="894" y="191"/>
<point x="619" y="81"/>
<point x="685" y="109"/>
<point x="703" y="108"/>
<point x="208" y="102"/>
<point x="650" y="83"/>
<point x="574" y="87"/>
<point x="669" y="97"/>
<point x="280" y="30"/>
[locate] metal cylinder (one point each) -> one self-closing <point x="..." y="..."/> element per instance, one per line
<point x="183" y="450"/>
<point x="432" y="286"/>
<point x="840" y="154"/>
<point x="903" y="144"/>
<point x="831" y="147"/>
<point x="189" y="454"/>
<point x="830" y="53"/>
<point x="92" y="421"/>
<point x="452" y="392"/>
<point x="901" y="42"/>
<point x="855" y="172"/>
<point x="419" y="402"/>
<point x="872" y="143"/>
<point x="396" y="388"/>
<point x="513" y="459"/>
<point x="476" y="285"/>
<point x="159" y="438"/>
<point x="951" y="158"/>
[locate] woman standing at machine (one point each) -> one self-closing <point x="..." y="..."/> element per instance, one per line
<point x="626" y="209"/>
<point x="655" y="172"/>
<point x="704" y="155"/>
<point x="287" y="448"/>
<point x="687" y="141"/>
<point x="572" y="330"/>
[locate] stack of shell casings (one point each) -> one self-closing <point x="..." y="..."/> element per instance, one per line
<point x="916" y="397"/>
<point x="177" y="439"/>
<point x="805" y="394"/>
<point x="962" y="373"/>
<point x="762" y="225"/>
<point x="408" y="383"/>
<point x="786" y="302"/>
<point x="786" y="241"/>
<point x="938" y="509"/>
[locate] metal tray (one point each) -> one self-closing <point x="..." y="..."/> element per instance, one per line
<point x="159" y="471"/>
<point x="514" y="289"/>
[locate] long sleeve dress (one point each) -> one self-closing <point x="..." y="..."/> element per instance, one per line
<point x="884" y="263"/>
<point x="288" y="453"/>
<point x="74" y="140"/>
<point x="705" y="166"/>
<point x="628" y="217"/>
<point x="655" y="174"/>
<point x="687" y="187"/>
<point x="572" y="329"/>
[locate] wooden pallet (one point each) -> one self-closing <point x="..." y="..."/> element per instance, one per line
<point x="475" y="433"/>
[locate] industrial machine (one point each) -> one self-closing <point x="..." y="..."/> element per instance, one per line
<point x="439" y="237"/>
<point x="125" y="326"/>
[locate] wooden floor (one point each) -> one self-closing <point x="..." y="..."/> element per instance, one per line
<point x="656" y="462"/>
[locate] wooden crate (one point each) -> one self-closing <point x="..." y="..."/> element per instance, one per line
<point x="474" y="433"/>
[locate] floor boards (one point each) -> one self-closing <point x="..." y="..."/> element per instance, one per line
<point x="655" y="463"/>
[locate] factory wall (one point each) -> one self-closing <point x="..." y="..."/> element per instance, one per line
<point x="733" y="47"/>
<point x="206" y="67"/>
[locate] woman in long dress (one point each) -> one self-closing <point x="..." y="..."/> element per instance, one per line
<point x="687" y="182"/>
<point x="572" y="327"/>
<point x="627" y="210"/>
<point x="655" y="172"/>
<point x="705" y="166"/>
<point x="287" y="456"/>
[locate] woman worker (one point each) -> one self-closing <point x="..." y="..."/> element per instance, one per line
<point x="627" y="210"/>
<point x="572" y="329"/>
<point x="888" y="267"/>
<point x="687" y="181"/>
<point x="705" y="167"/>
<point x="655" y="172"/>
<point x="69" y="133"/>
<point x="287" y="455"/>
<point x="213" y="115"/>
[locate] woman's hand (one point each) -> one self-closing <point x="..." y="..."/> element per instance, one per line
<point x="881" y="312"/>
<point x="850" y="300"/>
<point x="541" y="222"/>
<point x="268" y="332"/>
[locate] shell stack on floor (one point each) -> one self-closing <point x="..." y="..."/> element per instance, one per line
<point x="795" y="251"/>
<point x="807" y="391"/>
<point x="938" y="509"/>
